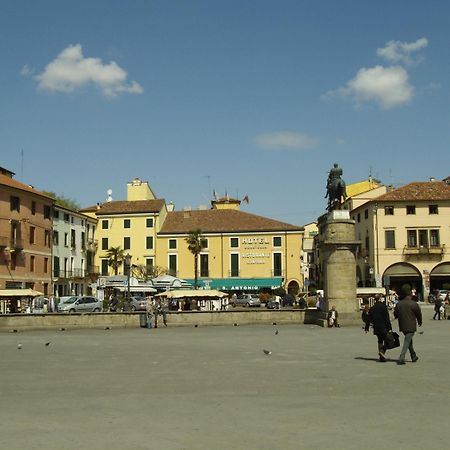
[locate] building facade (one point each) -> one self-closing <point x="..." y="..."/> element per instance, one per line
<point x="243" y="252"/>
<point x="405" y="236"/>
<point x="25" y="236"/>
<point x="74" y="248"/>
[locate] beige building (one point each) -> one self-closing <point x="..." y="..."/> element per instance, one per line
<point x="405" y="236"/>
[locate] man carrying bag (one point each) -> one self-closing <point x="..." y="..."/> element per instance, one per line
<point x="378" y="316"/>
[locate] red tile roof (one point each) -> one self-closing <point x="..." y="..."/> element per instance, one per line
<point x="11" y="183"/>
<point x="127" y="207"/>
<point x="222" y="220"/>
<point x="417" y="191"/>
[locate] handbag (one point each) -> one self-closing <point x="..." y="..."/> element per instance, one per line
<point x="392" y="340"/>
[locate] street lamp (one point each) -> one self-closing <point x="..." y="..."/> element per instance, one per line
<point x="128" y="265"/>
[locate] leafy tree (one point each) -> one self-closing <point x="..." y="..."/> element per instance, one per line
<point x="144" y="273"/>
<point x="63" y="201"/>
<point x="196" y="243"/>
<point x="115" y="257"/>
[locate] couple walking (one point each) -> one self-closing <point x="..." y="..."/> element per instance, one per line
<point x="407" y="312"/>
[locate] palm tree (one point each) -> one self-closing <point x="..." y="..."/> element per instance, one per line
<point x="115" y="257"/>
<point x="196" y="243"/>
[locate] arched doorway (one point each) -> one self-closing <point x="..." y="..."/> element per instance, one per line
<point x="439" y="276"/>
<point x="293" y="288"/>
<point x="398" y="274"/>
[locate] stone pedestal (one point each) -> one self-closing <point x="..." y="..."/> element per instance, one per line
<point x="338" y="246"/>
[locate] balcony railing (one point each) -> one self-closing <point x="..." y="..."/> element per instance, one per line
<point x="424" y="250"/>
<point x="75" y="273"/>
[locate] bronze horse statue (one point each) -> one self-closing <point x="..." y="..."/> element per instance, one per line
<point x="336" y="188"/>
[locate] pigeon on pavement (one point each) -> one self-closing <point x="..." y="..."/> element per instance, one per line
<point x="19" y="346"/>
<point x="47" y="344"/>
<point x="267" y="352"/>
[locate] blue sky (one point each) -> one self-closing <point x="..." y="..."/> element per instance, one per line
<point x="254" y="98"/>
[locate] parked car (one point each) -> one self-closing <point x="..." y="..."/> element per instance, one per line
<point x="80" y="304"/>
<point x="138" y="303"/>
<point x="441" y="294"/>
<point x="273" y="303"/>
<point x="247" y="300"/>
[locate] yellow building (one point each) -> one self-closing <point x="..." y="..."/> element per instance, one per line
<point x="404" y="236"/>
<point x="244" y="251"/>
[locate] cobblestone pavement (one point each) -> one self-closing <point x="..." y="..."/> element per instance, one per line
<point x="215" y="388"/>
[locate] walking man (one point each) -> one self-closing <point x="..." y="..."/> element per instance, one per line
<point x="378" y="316"/>
<point x="408" y="313"/>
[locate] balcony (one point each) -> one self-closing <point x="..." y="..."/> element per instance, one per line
<point x="16" y="244"/>
<point x="424" y="251"/>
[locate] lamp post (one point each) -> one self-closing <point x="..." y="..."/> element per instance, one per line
<point x="128" y="264"/>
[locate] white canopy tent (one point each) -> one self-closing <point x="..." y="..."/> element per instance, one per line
<point x="206" y="300"/>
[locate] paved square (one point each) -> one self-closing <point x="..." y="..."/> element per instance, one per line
<point x="215" y="388"/>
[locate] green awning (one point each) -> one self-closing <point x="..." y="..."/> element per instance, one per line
<point x="238" y="284"/>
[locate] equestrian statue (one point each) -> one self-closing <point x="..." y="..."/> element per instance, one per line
<point x="336" y="190"/>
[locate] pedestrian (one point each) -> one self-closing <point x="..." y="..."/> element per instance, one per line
<point x="365" y="315"/>
<point x="333" y="317"/>
<point x="409" y="315"/>
<point x="378" y="316"/>
<point x="437" y="308"/>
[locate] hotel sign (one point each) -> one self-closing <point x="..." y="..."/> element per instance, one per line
<point x="255" y="245"/>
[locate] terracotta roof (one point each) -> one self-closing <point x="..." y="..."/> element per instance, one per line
<point x="127" y="207"/>
<point x="10" y="182"/>
<point x="221" y="220"/>
<point x="418" y="190"/>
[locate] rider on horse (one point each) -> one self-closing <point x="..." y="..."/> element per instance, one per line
<point x="335" y="187"/>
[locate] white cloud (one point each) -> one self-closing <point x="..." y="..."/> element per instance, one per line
<point x="286" y="140"/>
<point x="403" y="52"/>
<point x="387" y="86"/>
<point x="71" y="70"/>
<point x="26" y="70"/>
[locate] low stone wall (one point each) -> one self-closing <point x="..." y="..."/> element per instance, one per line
<point x="19" y="322"/>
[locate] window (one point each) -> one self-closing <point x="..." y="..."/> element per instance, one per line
<point x="412" y="238"/>
<point x="47" y="212"/>
<point x="55" y="214"/>
<point x="172" y="244"/>
<point x="83" y="240"/>
<point x="33" y="208"/>
<point x="105" y="267"/>
<point x="149" y="264"/>
<point x="277" y="241"/>
<point x="410" y="209"/>
<point x="45" y="265"/>
<point x="277" y="264"/>
<point x="32" y="263"/>
<point x="126" y="223"/>
<point x="234" y="242"/>
<point x="72" y="239"/>
<point x="434" y="238"/>
<point x="14" y="203"/>
<point x="149" y="242"/>
<point x="104" y="243"/>
<point x="358" y="217"/>
<point x="149" y="222"/>
<point x="72" y="219"/>
<point x="126" y="243"/>
<point x="173" y="265"/>
<point x="56" y="266"/>
<point x="32" y="235"/>
<point x="366" y="214"/>
<point x="47" y="234"/>
<point x="433" y="209"/>
<point x="423" y="238"/>
<point x="66" y="217"/>
<point x="389" y="239"/>
<point x="234" y="265"/>
<point x="55" y="238"/>
<point x="204" y="265"/>
<point x="66" y="239"/>
<point x="104" y="224"/>
<point x="204" y="243"/>
<point x="388" y="210"/>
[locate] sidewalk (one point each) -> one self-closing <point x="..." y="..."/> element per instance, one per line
<point x="215" y="388"/>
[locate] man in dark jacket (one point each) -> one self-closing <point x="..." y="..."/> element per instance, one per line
<point x="408" y="313"/>
<point x="378" y="316"/>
